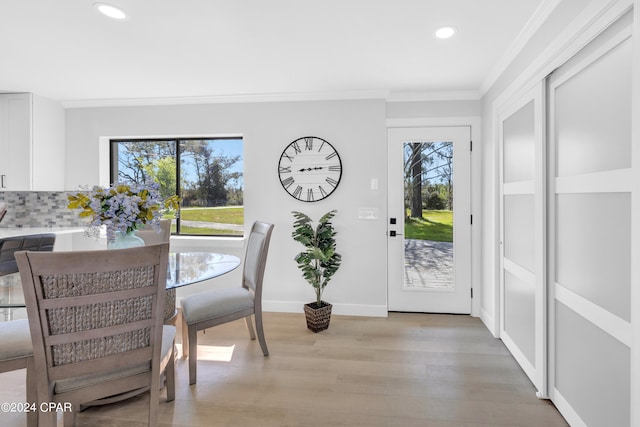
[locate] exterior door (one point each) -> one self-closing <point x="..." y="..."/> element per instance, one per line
<point x="429" y="224"/>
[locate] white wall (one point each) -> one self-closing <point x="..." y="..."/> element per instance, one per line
<point x="355" y="128"/>
<point x="358" y="131"/>
<point x="433" y="109"/>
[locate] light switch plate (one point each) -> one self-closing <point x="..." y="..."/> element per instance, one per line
<point x="367" y="213"/>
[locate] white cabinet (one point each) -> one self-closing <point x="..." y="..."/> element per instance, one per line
<point x="15" y="137"/>
<point x="31" y="143"/>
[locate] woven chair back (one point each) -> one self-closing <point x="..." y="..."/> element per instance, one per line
<point x="95" y="313"/>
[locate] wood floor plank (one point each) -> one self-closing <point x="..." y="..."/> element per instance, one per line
<point x="405" y="370"/>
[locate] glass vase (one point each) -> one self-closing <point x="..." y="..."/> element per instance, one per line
<point x="125" y="240"/>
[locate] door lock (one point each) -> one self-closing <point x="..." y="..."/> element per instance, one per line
<point x="392" y="233"/>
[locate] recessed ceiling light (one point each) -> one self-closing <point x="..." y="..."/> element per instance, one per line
<point x="445" y="32"/>
<point x="111" y="11"/>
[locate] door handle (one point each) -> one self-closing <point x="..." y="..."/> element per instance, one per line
<point x="2" y="181"/>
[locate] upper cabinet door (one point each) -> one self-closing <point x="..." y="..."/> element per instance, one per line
<point x="31" y="143"/>
<point x="15" y="141"/>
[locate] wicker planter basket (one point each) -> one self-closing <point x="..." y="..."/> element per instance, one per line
<point x="317" y="318"/>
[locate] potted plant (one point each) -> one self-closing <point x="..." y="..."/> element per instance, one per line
<point x="318" y="263"/>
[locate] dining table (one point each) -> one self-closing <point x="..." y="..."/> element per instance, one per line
<point x="185" y="268"/>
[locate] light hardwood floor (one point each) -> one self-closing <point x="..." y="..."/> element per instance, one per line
<point x="405" y="370"/>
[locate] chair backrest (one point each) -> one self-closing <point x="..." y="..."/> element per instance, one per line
<point x="255" y="258"/>
<point x="10" y="245"/>
<point x="151" y="236"/>
<point x="92" y="313"/>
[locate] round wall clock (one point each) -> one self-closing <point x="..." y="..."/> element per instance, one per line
<point x="310" y="169"/>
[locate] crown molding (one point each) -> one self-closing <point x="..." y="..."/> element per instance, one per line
<point x="534" y="23"/>
<point x="461" y="95"/>
<point x="228" y="99"/>
<point x="388" y="96"/>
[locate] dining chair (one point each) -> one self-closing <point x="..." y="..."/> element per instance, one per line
<point x="96" y="323"/>
<point x="10" y="245"/>
<point x="16" y="350"/>
<point x="217" y="306"/>
<point x="152" y="236"/>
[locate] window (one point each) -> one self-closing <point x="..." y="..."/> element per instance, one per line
<point x="207" y="173"/>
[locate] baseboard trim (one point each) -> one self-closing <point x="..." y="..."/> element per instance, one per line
<point x="489" y="322"/>
<point x="567" y="410"/>
<point x="338" y="309"/>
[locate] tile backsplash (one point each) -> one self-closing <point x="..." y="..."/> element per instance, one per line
<point x="38" y="209"/>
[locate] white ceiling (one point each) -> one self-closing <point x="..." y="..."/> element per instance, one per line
<point x="66" y="50"/>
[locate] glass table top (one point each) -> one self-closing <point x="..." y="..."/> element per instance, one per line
<point x="185" y="268"/>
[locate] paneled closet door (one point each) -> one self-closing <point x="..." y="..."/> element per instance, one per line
<point x="522" y="232"/>
<point x="589" y="202"/>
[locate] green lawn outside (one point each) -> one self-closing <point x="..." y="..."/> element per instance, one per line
<point x="434" y="225"/>
<point x="207" y="231"/>
<point x="225" y="215"/>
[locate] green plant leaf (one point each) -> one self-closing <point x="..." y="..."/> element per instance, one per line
<point x="319" y="262"/>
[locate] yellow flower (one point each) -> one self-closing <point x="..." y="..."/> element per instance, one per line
<point x="172" y="202"/>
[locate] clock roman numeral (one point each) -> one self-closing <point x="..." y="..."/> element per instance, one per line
<point x="335" y="168"/>
<point x="288" y="182"/>
<point x="287" y="156"/>
<point x="296" y="147"/>
<point x="308" y="144"/>
<point x="297" y="192"/>
<point x="332" y="182"/>
<point x="321" y="145"/>
<point x="331" y="156"/>
<point x="284" y="169"/>
<point x="322" y="192"/>
<point x="309" y="195"/>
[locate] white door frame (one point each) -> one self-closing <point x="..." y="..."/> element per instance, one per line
<point x="474" y="122"/>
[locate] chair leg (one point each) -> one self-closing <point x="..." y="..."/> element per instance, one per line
<point x="249" y="323"/>
<point x="260" y="330"/>
<point x="170" y="372"/>
<point x="193" y="352"/>
<point x="69" y="417"/>
<point x="185" y="338"/>
<point x="48" y="419"/>
<point x="154" y="403"/>
<point x="32" y="393"/>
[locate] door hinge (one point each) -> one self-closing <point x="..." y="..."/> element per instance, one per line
<point x="471" y="219"/>
<point x="470" y="145"/>
<point x="471" y="292"/>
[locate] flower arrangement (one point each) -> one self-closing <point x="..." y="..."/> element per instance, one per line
<point x="122" y="208"/>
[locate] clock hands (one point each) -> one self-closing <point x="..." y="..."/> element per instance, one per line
<point x="330" y="168"/>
